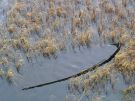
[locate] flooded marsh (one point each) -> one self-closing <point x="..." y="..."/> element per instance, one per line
<point x="43" y="41"/>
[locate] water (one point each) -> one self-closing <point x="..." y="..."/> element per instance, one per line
<point x="43" y="70"/>
<point x="3" y="7"/>
<point x="46" y="70"/>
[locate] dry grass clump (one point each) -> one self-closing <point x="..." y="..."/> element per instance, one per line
<point x="3" y="61"/>
<point x="131" y="43"/>
<point x="93" y="15"/>
<point x="50" y="50"/>
<point x="12" y="28"/>
<point x="9" y="75"/>
<point x="124" y="39"/>
<point x="92" y="81"/>
<point x="61" y="46"/>
<point x="21" y="43"/>
<point x="82" y="14"/>
<point x="19" y="65"/>
<point x="120" y="12"/>
<point x="60" y="11"/>
<point x="47" y="46"/>
<point x="107" y="6"/>
<point x="88" y="4"/>
<point x="51" y="11"/>
<point x="1" y="73"/>
<point x="129" y="90"/>
<point x="75" y="85"/>
<point x="128" y="93"/>
<point x="15" y="44"/>
<point x="110" y="36"/>
<point x="82" y="39"/>
<point x="125" y="61"/>
<point x="76" y="21"/>
<point x="19" y="5"/>
<point x="24" y="43"/>
<point x="97" y="78"/>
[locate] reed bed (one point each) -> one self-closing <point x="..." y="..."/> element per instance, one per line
<point x="121" y="67"/>
<point x="36" y="27"/>
<point x="47" y="27"/>
<point x="114" y="24"/>
<point x="96" y="81"/>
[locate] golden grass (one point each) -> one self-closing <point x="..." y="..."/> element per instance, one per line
<point x="123" y="39"/>
<point x="125" y="59"/>
<point x="19" y="5"/>
<point x="19" y="65"/>
<point x="1" y="73"/>
<point x="45" y="23"/>
<point x="109" y="8"/>
<point x="82" y="14"/>
<point x="120" y="12"/>
<point x="9" y="75"/>
<point x="12" y="28"/>
<point x="60" y="11"/>
<point x="129" y="89"/>
<point x="93" y="15"/>
<point x="76" y="21"/>
<point x="82" y="39"/>
<point x="50" y="50"/>
<point x="51" y="11"/>
<point x="24" y="43"/>
<point x="91" y="81"/>
<point x="4" y="61"/>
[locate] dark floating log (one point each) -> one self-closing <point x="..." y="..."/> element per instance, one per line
<point x="118" y="45"/>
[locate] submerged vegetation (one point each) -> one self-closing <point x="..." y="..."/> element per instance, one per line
<point x="34" y="28"/>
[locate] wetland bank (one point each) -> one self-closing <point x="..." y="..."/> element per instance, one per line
<point x="47" y="40"/>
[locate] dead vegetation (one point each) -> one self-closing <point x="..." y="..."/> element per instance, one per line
<point x="47" y="27"/>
